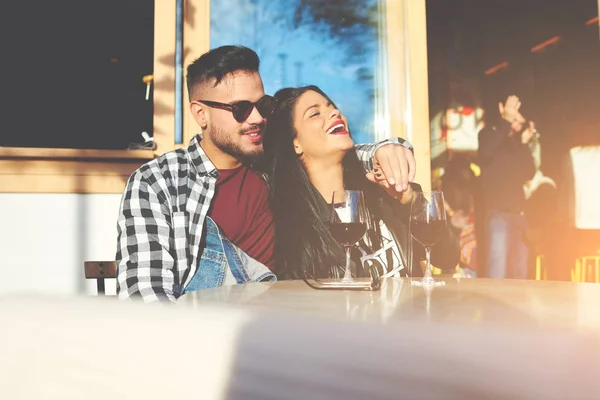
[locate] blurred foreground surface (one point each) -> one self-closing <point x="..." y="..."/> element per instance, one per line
<point x="471" y="339"/>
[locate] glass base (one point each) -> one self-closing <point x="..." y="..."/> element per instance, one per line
<point x="362" y="284"/>
<point x="427" y="282"/>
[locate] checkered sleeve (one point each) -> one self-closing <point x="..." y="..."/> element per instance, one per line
<point x="144" y="263"/>
<point x="366" y="152"/>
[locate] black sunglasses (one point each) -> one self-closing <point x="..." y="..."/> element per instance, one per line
<point x="241" y="110"/>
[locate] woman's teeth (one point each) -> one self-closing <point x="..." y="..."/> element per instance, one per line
<point x="335" y="127"/>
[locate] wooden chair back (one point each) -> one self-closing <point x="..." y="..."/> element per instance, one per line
<point x="100" y="270"/>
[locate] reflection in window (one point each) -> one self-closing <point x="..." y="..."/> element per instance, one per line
<point x="332" y="44"/>
<point x="72" y="73"/>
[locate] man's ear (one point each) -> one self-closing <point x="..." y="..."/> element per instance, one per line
<point x="200" y="114"/>
<point x="297" y="147"/>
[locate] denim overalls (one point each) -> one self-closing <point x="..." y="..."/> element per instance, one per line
<point x="222" y="263"/>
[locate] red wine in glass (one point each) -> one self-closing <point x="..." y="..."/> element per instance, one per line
<point x="427" y="225"/>
<point x="428" y="233"/>
<point x="348" y="222"/>
<point x="347" y="233"/>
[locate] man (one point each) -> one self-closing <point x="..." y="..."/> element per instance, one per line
<point x="199" y="217"/>
<point x="506" y="165"/>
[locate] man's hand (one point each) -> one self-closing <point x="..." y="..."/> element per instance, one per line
<point x="510" y="113"/>
<point x="394" y="168"/>
<point x="528" y="133"/>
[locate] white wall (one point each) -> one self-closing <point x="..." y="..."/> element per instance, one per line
<point x="585" y="162"/>
<point x="45" y="238"/>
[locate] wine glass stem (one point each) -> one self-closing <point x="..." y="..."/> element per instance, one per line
<point x="347" y="273"/>
<point x="428" y="268"/>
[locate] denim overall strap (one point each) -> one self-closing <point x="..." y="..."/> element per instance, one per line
<point x="212" y="266"/>
<point x="243" y="267"/>
<point x="222" y="263"/>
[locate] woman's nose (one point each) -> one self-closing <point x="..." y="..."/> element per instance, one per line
<point x="334" y="113"/>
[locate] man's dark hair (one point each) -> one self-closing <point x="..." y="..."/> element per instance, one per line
<point x="220" y="62"/>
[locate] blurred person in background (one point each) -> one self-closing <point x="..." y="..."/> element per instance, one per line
<point x="459" y="186"/>
<point x="506" y="165"/>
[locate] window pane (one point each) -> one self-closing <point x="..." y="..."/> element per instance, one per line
<point x="72" y="73"/>
<point x="332" y="44"/>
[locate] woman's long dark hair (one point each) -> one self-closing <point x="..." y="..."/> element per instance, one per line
<point x="303" y="241"/>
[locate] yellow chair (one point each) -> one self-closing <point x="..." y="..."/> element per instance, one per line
<point x="586" y="267"/>
<point x="576" y="272"/>
<point x="590" y="265"/>
<point x="541" y="274"/>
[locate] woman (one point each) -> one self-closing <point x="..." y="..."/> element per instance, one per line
<point x="312" y="155"/>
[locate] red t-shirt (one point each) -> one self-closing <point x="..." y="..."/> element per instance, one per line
<point x="241" y="209"/>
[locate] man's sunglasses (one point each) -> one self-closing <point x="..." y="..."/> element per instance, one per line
<point x="241" y="110"/>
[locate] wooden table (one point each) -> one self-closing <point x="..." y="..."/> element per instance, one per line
<point x="473" y="339"/>
<point x="470" y="339"/>
<point x="512" y="304"/>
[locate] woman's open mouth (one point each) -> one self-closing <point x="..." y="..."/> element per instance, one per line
<point x="337" y="128"/>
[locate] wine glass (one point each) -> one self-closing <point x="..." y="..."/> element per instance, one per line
<point x="348" y="223"/>
<point x="427" y="226"/>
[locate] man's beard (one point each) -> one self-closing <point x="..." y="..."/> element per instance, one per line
<point x="225" y="143"/>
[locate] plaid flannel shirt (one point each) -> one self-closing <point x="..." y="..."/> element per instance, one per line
<point x="161" y="220"/>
